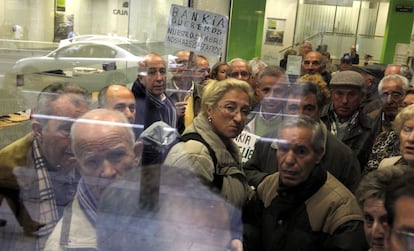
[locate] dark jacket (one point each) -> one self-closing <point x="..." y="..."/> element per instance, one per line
<point x="150" y="109"/>
<point x="319" y="214"/>
<point x="338" y="160"/>
<point x="360" y="137"/>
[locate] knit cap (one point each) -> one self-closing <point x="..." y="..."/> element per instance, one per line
<point x="347" y="78"/>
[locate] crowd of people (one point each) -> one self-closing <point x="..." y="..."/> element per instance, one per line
<point x="156" y="167"/>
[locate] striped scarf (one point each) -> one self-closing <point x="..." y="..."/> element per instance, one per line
<point x="87" y="201"/>
<point x="48" y="213"/>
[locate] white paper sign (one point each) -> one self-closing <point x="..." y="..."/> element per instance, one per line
<point x="294" y="64"/>
<point x="196" y="30"/>
<point x="246" y="142"/>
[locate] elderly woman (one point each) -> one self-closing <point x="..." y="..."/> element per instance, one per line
<point x="371" y="197"/>
<point x="207" y="144"/>
<point x="404" y="127"/>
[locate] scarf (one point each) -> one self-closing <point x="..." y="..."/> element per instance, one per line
<point x="87" y="201"/>
<point x="48" y="212"/>
<point x="349" y="124"/>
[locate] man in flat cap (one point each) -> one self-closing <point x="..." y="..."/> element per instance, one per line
<point x="343" y="117"/>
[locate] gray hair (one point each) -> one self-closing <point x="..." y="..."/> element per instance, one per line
<point x="404" y="115"/>
<point x="375" y="183"/>
<point x="303" y="121"/>
<point x="394" y="77"/>
<point x="53" y="91"/>
<point x="273" y="71"/>
<point x="102" y="117"/>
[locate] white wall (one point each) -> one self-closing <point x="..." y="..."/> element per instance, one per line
<point x="285" y="9"/>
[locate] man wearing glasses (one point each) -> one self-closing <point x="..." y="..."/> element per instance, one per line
<point x="239" y="69"/>
<point x="152" y="103"/>
<point x="391" y="91"/>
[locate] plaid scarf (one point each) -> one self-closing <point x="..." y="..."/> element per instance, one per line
<point x="87" y="201"/>
<point x="333" y="119"/>
<point x="48" y="213"/>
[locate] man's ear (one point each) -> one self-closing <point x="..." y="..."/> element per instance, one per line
<point x="37" y="129"/>
<point x="138" y="148"/>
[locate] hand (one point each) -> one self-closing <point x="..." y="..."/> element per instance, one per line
<point x="236" y="245"/>
<point x="180" y="108"/>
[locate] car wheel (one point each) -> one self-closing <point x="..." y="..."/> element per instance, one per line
<point x="116" y="78"/>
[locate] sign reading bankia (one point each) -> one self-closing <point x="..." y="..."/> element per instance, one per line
<point x="196" y="30"/>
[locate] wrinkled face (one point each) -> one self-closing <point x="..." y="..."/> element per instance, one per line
<point x="154" y="79"/>
<point x="407" y="141"/>
<point x="401" y="236"/>
<point x="229" y="116"/>
<point x="54" y="137"/>
<point x="408" y="100"/>
<point x="202" y="71"/>
<point x="375" y="223"/>
<point x="295" y="155"/>
<point x="222" y="72"/>
<point x="123" y="100"/>
<point x="104" y="155"/>
<point x="272" y="92"/>
<point x="346" y="101"/>
<point x="312" y="63"/>
<point x="391" y="97"/>
<point x="240" y="71"/>
<point x="304" y="105"/>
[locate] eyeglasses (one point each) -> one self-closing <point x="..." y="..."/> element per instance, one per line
<point x="405" y="238"/>
<point x="395" y="96"/>
<point x="232" y="110"/>
<point x="241" y="73"/>
<point x="308" y="62"/>
<point x="153" y="71"/>
<point x="204" y="70"/>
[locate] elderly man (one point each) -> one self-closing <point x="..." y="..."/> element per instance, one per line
<point x="391" y="90"/>
<point x="38" y="173"/>
<point x="149" y="90"/>
<point x="272" y="86"/>
<point x="305" y="99"/>
<point x="313" y="63"/>
<point x="353" y="55"/>
<point x="343" y="117"/>
<point x="184" y="89"/>
<point x="240" y="69"/>
<point x="302" y="207"/>
<point x="104" y="156"/>
<point x="400" y="69"/>
<point x="119" y="98"/>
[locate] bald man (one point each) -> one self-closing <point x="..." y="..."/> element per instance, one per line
<point x="104" y="156"/>
<point x="120" y="98"/>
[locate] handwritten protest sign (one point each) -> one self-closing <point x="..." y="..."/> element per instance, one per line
<point x="196" y="30"/>
<point x="246" y="142"/>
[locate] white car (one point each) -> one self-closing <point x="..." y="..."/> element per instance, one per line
<point x="99" y="38"/>
<point x="92" y="64"/>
